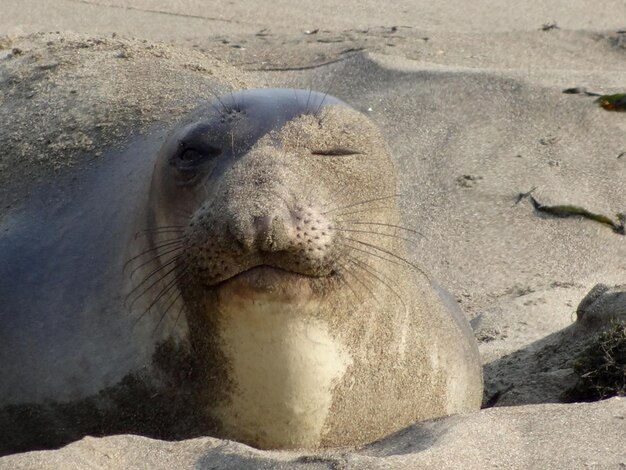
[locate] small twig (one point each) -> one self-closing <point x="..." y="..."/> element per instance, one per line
<point x="580" y="90"/>
<point x="521" y="196"/>
<point x="549" y="26"/>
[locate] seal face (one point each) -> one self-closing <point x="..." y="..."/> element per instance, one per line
<point x="310" y="325"/>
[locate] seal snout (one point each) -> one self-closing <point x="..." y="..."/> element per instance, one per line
<point x="298" y="239"/>
<point x="222" y="243"/>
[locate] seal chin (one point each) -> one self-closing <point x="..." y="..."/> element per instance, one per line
<point x="268" y="282"/>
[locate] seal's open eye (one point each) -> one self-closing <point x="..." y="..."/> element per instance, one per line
<point x="193" y="159"/>
<point x="189" y="157"/>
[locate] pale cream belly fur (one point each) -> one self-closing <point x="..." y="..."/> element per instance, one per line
<point x="284" y="364"/>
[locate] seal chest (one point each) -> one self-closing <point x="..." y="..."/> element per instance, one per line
<point x="284" y="364"/>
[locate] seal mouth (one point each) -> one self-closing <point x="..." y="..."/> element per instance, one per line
<point x="271" y="280"/>
<point x="266" y="273"/>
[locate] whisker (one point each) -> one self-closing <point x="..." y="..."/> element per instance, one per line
<point x="180" y="312"/>
<point x="154" y="232"/>
<point x="174" y="241"/>
<point x="347" y="271"/>
<point x="308" y="197"/>
<point x="335" y="194"/>
<point x="150" y="275"/>
<point x="176" y="296"/>
<point x="184" y="213"/>
<point x="242" y="103"/>
<point x="372" y="254"/>
<point x="319" y="108"/>
<point x="283" y="199"/>
<point x="389" y="253"/>
<point x="172" y="250"/>
<point x="171" y="284"/>
<point x="227" y="110"/>
<point x="308" y="99"/>
<point x="232" y="97"/>
<point x="365" y="209"/>
<point x="147" y="288"/>
<point x="369" y="269"/>
<point x="384" y="225"/>
<point x="219" y="112"/>
<point x="347" y="284"/>
<point x="391" y="235"/>
<point x="363" y="202"/>
<point x="321" y="114"/>
<point x="212" y="104"/>
<point x="156" y="229"/>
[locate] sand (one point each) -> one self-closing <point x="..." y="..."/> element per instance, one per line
<point x="471" y="99"/>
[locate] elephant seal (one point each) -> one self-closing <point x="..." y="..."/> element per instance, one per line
<point x="267" y="294"/>
<point x="295" y="282"/>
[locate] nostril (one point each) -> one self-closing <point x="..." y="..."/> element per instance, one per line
<point x="264" y="228"/>
<point x="262" y="233"/>
<point x="243" y="235"/>
<point x="271" y="232"/>
<point x="241" y="244"/>
<point x="263" y="225"/>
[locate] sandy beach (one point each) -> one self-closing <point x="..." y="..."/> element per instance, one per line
<point x="471" y="99"/>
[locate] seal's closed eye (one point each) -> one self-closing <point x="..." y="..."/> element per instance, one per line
<point x="336" y="151"/>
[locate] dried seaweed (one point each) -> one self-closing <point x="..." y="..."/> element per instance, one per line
<point x="615" y="102"/>
<point x="576" y="211"/>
